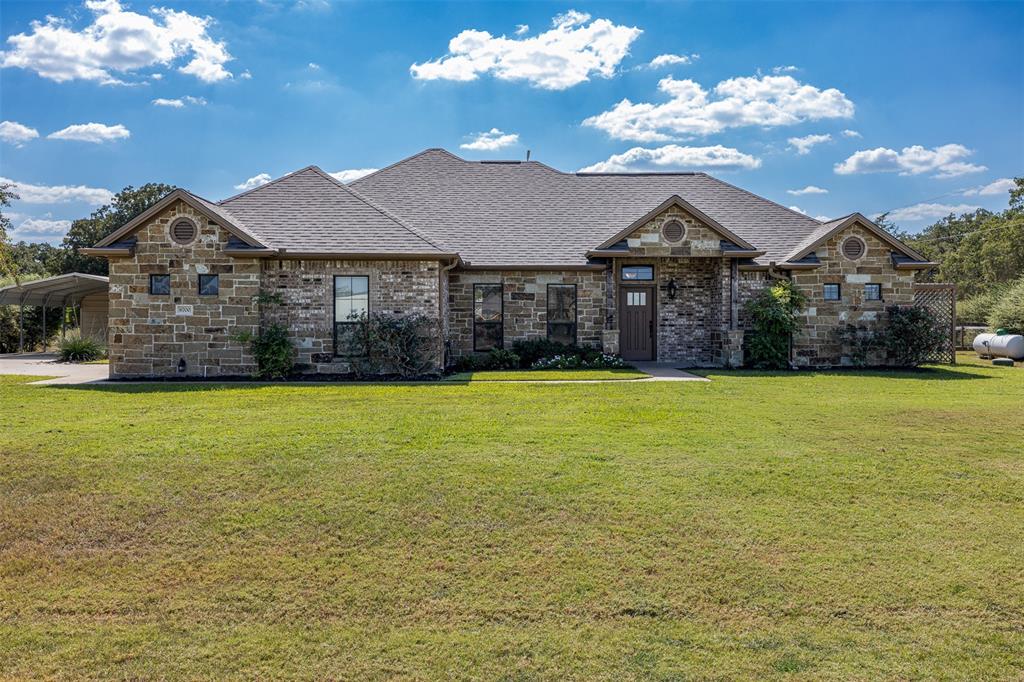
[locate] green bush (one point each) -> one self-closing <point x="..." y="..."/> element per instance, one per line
<point x="977" y="309"/>
<point x="78" y="349"/>
<point x="857" y="342"/>
<point x="273" y="351"/>
<point x="772" y="320"/>
<point x="499" y="358"/>
<point x="532" y="350"/>
<point x="1008" y="311"/>
<point x="912" y="334"/>
<point x="577" y="361"/>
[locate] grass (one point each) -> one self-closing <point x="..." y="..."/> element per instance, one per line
<point x="846" y="525"/>
<point x="551" y="375"/>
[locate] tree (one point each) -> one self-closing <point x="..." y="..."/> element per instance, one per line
<point x="7" y="266"/>
<point x="86" y="232"/>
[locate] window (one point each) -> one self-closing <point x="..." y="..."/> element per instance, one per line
<point x="831" y="292"/>
<point x="160" y="285"/>
<point x="636" y="273"/>
<point x="872" y="292"/>
<point x="209" y="285"/>
<point x="562" y="313"/>
<point x="636" y="298"/>
<point x="351" y="301"/>
<point x="487" y="317"/>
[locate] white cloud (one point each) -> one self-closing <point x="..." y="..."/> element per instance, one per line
<point x="851" y="133"/>
<point x="351" y="174"/>
<point x="804" y="144"/>
<point x="58" y="194"/>
<point x="822" y="218"/>
<point x="490" y="141"/>
<point x="809" y="189"/>
<point x="39" y="228"/>
<point x="156" y="76"/>
<point x="313" y="66"/>
<point x="118" y="41"/>
<point x="96" y="133"/>
<point x="733" y="103"/>
<point x="522" y="29"/>
<point x="16" y="133"/>
<point x="671" y="60"/>
<point x="254" y="181"/>
<point x="1000" y="186"/>
<point x="945" y="161"/>
<point x="568" y="54"/>
<point x="929" y="211"/>
<point x="180" y="102"/>
<point x="784" y="69"/>
<point x="245" y="75"/>
<point x="674" y="157"/>
<point x="797" y="209"/>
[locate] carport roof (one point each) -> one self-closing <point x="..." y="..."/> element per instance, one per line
<point x="53" y="291"/>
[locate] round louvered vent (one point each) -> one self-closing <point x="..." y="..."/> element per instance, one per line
<point x="673" y="231"/>
<point x="853" y="248"/>
<point x="183" y="231"/>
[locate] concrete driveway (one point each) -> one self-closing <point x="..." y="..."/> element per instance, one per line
<point x="45" y="364"/>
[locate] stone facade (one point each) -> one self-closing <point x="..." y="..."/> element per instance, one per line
<point x="306" y="290"/>
<point x="525" y="304"/>
<point x="149" y="335"/>
<point x="816" y="344"/>
<point x="698" y="240"/>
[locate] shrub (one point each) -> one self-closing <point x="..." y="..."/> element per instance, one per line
<point x="273" y="351"/>
<point x="977" y="309"/>
<point x="78" y="349"/>
<point x="499" y="358"/>
<point x="911" y="335"/>
<point x="403" y="346"/>
<point x="1008" y="311"/>
<point x="532" y="350"/>
<point x="578" y="361"/>
<point x="772" y="319"/>
<point x="857" y="343"/>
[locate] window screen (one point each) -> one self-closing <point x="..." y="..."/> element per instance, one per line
<point x="160" y="285"/>
<point x="351" y="301"/>
<point x="562" y="313"/>
<point x="831" y="292"/>
<point x="487" y="317"/>
<point x="209" y="285"/>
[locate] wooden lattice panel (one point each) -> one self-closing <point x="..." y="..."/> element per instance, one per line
<point x="940" y="299"/>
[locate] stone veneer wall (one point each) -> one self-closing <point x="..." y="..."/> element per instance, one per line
<point x="147" y="337"/>
<point x="307" y="290"/>
<point x="699" y="240"/>
<point x="525" y="304"/>
<point x="816" y="344"/>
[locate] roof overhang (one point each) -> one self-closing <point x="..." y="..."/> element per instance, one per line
<point x="859" y="218"/>
<point x="108" y="251"/>
<point x="678" y="201"/>
<point x="54" y="290"/>
<point x="916" y="265"/>
<point x="168" y="199"/>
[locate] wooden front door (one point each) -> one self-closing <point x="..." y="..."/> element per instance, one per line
<point x="636" y="322"/>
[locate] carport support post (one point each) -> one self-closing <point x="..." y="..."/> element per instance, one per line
<point x="44" y="326"/>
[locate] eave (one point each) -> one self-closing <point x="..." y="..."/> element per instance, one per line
<point x="108" y="251"/>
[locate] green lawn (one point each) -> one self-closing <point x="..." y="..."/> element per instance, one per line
<point x="848" y="525"/>
<point x="551" y="375"/>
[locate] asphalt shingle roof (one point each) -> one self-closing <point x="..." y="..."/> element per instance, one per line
<point x="506" y="213"/>
<point x="310" y="212"/>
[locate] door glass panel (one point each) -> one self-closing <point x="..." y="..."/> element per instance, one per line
<point x="636" y="298"/>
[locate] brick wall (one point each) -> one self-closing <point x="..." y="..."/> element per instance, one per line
<point x="306" y="288"/>
<point x="525" y="304"/>
<point x="148" y="336"/>
<point x="816" y="344"/>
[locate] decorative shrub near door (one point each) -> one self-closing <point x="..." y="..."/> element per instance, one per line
<point x="773" y="318"/>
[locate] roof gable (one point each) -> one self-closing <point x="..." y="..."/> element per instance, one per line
<point x="677" y="202"/>
<point x="211" y="211"/>
<point x="833" y="227"/>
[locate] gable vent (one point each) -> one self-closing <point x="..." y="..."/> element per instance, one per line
<point x="673" y="231"/>
<point x="853" y="248"/>
<point x="183" y="231"/>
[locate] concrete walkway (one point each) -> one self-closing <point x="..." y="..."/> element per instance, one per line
<point x="46" y="365"/>
<point x="666" y="371"/>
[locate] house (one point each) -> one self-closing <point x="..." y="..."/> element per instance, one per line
<point x="653" y="266"/>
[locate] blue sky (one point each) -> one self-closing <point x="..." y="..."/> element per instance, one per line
<point x="911" y="106"/>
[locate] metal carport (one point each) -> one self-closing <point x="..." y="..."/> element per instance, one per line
<point x="61" y="291"/>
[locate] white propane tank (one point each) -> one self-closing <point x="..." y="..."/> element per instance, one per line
<point x="1000" y="345"/>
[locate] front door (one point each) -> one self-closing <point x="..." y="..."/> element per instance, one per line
<point x="636" y="322"/>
